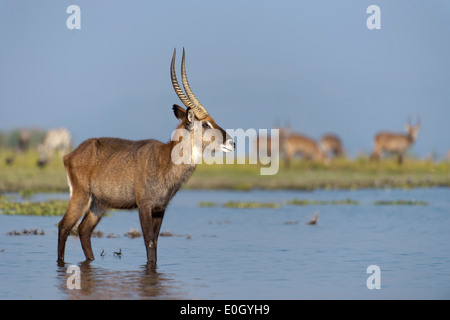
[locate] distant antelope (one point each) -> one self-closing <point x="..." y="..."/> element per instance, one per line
<point x="396" y="142"/>
<point x="55" y="140"/>
<point x="297" y="143"/>
<point x="22" y="145"/>
<point x="116" y="173"/>
<point x="331" y="145"/>
<point x="264" y="142"/>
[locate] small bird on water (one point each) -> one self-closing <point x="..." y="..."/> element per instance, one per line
<point x="314" y="218"/>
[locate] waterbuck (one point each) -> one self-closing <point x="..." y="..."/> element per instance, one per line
<point x="396" y="142"/>
<point x="298" y="143"/>
<point x="108" y="173"/>
<point x="331" y="145"/>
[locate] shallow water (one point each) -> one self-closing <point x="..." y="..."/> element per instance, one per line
<point x="226" y="253"/>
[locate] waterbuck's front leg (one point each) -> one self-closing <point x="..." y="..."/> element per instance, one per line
<point x="157" y="218"/>
<point x="148" y="230"/>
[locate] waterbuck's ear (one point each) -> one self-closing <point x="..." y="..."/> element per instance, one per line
<point x="179" y="112"/>
<point x="190" y="116"/>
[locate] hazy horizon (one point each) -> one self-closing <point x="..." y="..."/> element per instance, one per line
<point x="252" y="64"/>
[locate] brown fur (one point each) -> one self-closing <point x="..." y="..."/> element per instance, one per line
<point x="395" y="142"/>
<point x="331" y="145"/>
<point x="115" y="173"/>
<point x="298" y="143"/>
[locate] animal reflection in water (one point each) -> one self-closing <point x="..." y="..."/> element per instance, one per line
<point x="99" y="283"/>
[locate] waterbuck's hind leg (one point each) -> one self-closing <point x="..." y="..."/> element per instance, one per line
<point x="90" y="221"/>
<point x="78" y="205"/>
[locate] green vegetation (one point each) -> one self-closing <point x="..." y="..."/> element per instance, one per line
<point x="24" y="176"/>
<point x="400" y="203"/>
<point x="207" y="204"/>
<point x="306" y="202"/>
<point x="339" y="174"/>
<point x="235" y="204"/>
<point x="45" y="208"/>
<point x="309" y="202"/>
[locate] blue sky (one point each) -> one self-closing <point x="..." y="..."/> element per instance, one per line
<point x="252" y="63"/>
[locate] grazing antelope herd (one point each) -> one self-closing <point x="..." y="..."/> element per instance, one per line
<point x="293" y="143"/>
<point x="330" y="146"/>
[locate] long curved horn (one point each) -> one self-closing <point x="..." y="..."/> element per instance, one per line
<point x="199" y="110"/>
<point x="186" y="101"/>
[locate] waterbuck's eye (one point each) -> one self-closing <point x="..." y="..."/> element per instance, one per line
<point x="206" y="124"/>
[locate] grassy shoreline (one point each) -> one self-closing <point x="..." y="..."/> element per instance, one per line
<point x="24" y="176"/>
<point x="340" y="174"/>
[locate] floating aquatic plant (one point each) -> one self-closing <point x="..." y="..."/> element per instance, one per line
<point x="207" y="204"/>
<point x="133" y="233"/>
<point x="44" y="208"/>
<point x="23" y="232"/>
<point x="400" y="203"/>
<point x="306" y="202"/>
<point x="235" y="204"/>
